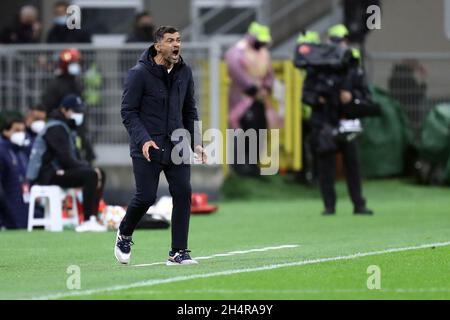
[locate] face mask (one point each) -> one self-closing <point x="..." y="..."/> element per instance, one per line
<point x="74" y="69"/>
<point x="27" y="25"/>
<point x="146" y="30"/>
<point x="60" y="21"/>
<point x="19" y="139"/>
<point x="258" y="45"/>
<point x="338" y="41"/>
<point x="37" y="126"/>
<point x="78" y="118"/>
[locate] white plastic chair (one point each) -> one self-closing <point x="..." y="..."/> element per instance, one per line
<point x="53" y="220"/>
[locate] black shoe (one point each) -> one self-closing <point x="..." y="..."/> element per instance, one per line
<point x="328" y="212"/>
<point x="180" y="257"/>
<point x="363" y="211"/>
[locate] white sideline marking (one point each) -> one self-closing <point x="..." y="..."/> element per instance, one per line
<point x="288" y="291"/>
<point x="232" y="253"/>
<point x="235" y="271"/>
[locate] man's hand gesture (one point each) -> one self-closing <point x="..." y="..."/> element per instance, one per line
<point x="146" y="147"/>
<point x="201" y="153"/>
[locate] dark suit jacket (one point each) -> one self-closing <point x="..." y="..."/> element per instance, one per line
<point x="155" y="103"/>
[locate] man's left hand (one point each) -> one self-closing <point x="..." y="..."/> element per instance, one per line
<point x="200" y="151"/>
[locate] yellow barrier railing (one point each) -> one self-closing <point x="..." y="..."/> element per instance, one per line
<point x="204" y="98"/>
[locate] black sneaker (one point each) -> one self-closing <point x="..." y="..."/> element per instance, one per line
<point x="122" y="249"/>
<point x="362" y="211"/>
<point x="180" y="257"/>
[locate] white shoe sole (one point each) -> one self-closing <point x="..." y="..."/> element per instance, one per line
<point x="117" y="253"/>
<point x="90" y="230"/>
<point x="125" y="260"/>
<point x="184" y="263"/>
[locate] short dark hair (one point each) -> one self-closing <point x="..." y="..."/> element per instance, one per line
<point x="61" y="3"/>
<point x="144" y="13"/>
<point x="8" y="118"/>
<point x="162" y="30"/>
<point x="38" y="107"/>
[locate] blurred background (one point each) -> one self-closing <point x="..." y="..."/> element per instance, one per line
<point x="407" y="64"/>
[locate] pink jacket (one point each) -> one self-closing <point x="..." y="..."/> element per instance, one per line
<point x="247" y="67"/>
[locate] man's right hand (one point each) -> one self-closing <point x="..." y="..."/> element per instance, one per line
<point x="146" y="147"/>
<point x="346" y="96"/>
<point x="322" y="100"/>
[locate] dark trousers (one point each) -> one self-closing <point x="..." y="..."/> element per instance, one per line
<point x="254" y="118"/>
<point x="146" y="175"/>
<point x="327" y="175"/>
<point x="87" y="179"/>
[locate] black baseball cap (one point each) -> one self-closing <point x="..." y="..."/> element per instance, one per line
<point x="73" y="102"/>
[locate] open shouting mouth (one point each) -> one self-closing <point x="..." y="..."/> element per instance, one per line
<point x="175" y="54"/>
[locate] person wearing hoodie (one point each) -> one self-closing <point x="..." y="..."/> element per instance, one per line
<point x="61" y="163"/>
<point x="68" y="80"/>
<point x="158" y="99"/>
<point x="14" y="189"/>
<point x="27" y="28"/>
<point x="59" y="33"/>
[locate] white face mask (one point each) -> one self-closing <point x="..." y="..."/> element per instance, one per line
<point x="19" y="139"/>
<point x="37" y="126"/>
<point x="78" y="118"/>
<point x="74" y="69"/>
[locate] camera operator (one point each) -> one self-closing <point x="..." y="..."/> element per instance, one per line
<point x="332" y="92"/>
<point x="308" y="174"/>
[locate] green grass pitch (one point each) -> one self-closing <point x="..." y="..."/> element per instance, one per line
<point x="303" y="254"/>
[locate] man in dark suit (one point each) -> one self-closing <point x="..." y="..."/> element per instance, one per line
<point x="158" y="99"/>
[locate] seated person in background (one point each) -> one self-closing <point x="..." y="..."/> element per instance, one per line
<point x="143" y="28"/>
<point x="61" y="164"/>
<point x="13" y="165"/>
<point x="35" y="121"/>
